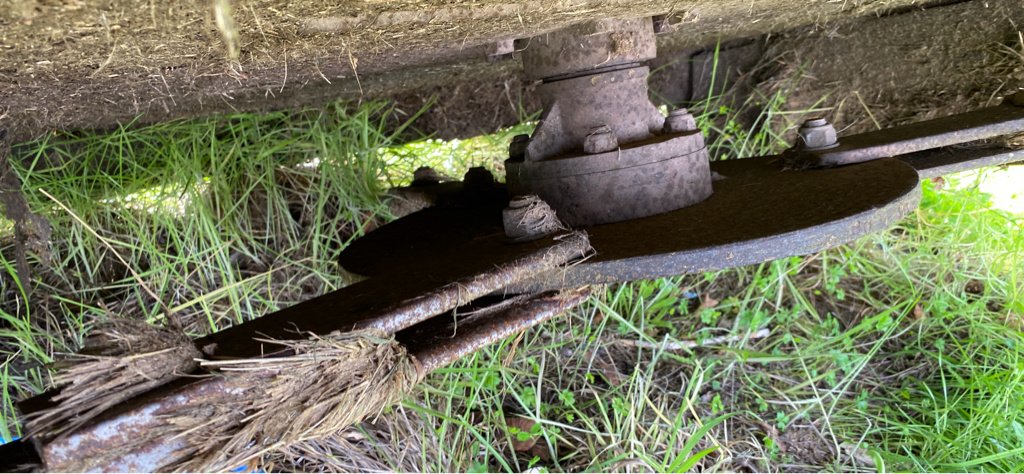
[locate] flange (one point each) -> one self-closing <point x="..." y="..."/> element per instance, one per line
<point x="602" y="152"/>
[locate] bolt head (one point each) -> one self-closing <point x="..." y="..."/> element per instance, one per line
<point x="679" y="121"/>
<point x="477" y="177"/>
<point x="529" y="218"/>
<point x="600" y="139"/>
<point x="817" y="134"/>
<point x="517" y="149"/>
<point x="425" y="175"/>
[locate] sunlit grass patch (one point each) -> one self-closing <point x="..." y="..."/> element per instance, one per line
<point x="1003" y="185"/>
<point x="454" y="157"/>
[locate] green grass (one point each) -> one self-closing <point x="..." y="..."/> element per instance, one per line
<point x="221" y="220"/>
<point x="877" y="357"/>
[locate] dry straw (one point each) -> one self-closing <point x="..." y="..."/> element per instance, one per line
<point x="311" y="389"/>
<point x="121" y="358"/>
<point x="326" y="384"/>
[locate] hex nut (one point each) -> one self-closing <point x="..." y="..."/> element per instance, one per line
<point x="478" y="177"/>
<point x="517" y="149"/>
<point x="818" y="134"/>
<point x="600" y="139"/>
<point x="679" y="121"/>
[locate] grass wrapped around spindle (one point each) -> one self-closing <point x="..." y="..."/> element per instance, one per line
<point x="121" y="358"/>
<point x="328" y="383"/>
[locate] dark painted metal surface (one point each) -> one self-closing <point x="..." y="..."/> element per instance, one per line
<point x="421" y="289"/>
<point x="463" y="291"/>
<point x="976" y="125"/>
<point x="758" y="212"/>
<point x="932" y="163"/>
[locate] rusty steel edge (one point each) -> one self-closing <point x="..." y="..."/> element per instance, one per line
<point x="499" y="324"/>
<point x="980" y="124"/>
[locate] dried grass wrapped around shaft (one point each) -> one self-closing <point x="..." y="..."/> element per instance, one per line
<point x="327" y="384"/>
<point x="529" y="217"/>
<point x="120" y="359"/>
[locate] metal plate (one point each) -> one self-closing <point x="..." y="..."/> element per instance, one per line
<point x="940" y="161"/>
<point x="989" y="122"/>
<point x="757" y="213"/>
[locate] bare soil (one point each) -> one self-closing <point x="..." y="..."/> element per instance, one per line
<point x="903" y="68"/>
<point x="96" y="63"/>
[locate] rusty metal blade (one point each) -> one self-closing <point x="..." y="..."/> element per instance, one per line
<point x="967" y="127"/>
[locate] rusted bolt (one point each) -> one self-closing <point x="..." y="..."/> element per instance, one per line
<point x="818" y="134"/>
<point x="517" y="149"/>
<point x="600" y="139"/>
<point x="478" y="177"/>
<point x="425" y="176"/>
<point x="679" y="121"/>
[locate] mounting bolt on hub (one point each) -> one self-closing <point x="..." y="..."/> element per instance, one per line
<point x="529" y="218"/>
<point x="602" y="151"/>
<point x="517" y="149"/>
<point x="600" y="139"/>
<point x="679" y="121"/>
<point x="818" y="134"/>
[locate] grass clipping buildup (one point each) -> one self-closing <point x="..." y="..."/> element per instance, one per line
<point x="530" y="218"/>
<point x="327" y="384"/>
<point x="120" y="359"/>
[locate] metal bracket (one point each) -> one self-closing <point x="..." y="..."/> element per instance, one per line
<point x="981" y="124"/>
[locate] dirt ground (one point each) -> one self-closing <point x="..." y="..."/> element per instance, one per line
<point x="95" y="63"/>
<point x="903" y="68"/>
